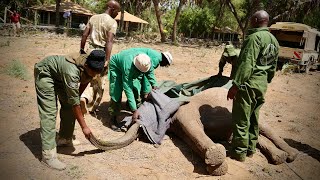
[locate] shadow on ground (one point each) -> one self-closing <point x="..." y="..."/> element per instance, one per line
<point x="305" y="148"/>
<point x="102" y="113"/>
<point x="32" y="140"/>
<point x="198" y="164"/>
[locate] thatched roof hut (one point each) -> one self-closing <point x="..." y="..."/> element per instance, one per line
<point x="131" y="22"/>
<point x="45" y="14"/>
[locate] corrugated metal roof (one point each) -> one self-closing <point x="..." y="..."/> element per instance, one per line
<point x="65" y="6"/>
<point x="131" y="18"/>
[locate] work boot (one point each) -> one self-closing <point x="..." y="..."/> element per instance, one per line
<point x="238" y="157"/>
<point x="250" y="154"/>
<point x="49" y="158"/>
<point x="63" y="142"/>
<point x="114" y="125"/>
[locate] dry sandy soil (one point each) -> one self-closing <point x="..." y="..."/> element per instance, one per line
<point x="292" y="108"/>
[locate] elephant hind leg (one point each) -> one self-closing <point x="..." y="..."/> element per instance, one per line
<point x="278" y="141"/>
<point x="276" y="155"/>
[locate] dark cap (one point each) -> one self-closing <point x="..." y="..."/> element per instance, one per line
<point x="96" y="60"/>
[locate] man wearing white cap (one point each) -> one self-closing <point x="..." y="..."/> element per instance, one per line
<point x="124" y="68"/>
<point x="142" y="87"/>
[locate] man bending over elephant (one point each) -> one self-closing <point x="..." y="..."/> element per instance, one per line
<point x="255" y="69"/>
<point x="125" y="68"/>
<point x="142" y="87"/>
<point x="229" y="55"/>
<point x="58" y="77"/>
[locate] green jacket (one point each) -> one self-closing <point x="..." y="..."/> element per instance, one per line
<point x="257" y="61"/>
<point x="125" y="68"/>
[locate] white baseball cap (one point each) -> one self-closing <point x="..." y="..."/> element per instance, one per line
<point x="168" y="57"/>
<point x="142" y="62"/>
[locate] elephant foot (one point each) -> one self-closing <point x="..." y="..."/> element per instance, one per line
<point x="218" y="170"/>
<point x="292" y="156"/>
<point x="215" y="155"/>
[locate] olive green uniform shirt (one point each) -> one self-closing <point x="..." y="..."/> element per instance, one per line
<point x="257" y="61"/>
<point x="67" y="76"/>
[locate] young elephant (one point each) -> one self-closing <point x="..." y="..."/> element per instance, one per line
<point x="207" y="117"/>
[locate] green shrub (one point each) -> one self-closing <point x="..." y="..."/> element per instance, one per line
<point x="17" y="69"/>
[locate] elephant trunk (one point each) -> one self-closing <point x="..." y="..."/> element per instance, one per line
<point x="121" y="142"/>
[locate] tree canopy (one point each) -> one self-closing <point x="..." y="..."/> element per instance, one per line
<point x="199" y="17"/>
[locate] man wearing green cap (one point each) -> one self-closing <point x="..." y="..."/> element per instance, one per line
<point x="229" y="55"/>
<point x="63" y="78"/>
<point x="256" y="67"/>
<point x="142" y="87"/>
<point x="125" y="68"/>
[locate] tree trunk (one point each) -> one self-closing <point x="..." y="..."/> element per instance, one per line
<point x="220" y="13"/>
<point x="176" y="19"/>
<point x="122" y="15"/>
<point x="57" y="13"/>
<point x="156" y="8"/>
<point x="235" y="14"/>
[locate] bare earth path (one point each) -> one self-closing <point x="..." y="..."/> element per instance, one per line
<point x="292" y="108"/>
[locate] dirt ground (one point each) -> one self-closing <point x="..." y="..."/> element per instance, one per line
<point x="292" y="108"/>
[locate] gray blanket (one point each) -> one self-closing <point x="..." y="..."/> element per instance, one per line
<point x="155" y="115"/>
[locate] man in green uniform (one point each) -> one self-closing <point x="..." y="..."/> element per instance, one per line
<point x="229" y="55"/>
<point x="142" y="87"/>
<point x="124" y="69"/>
<point x="256" y="67"/>
<point x="58" y="77"/>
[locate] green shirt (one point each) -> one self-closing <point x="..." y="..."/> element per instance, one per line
<point x="124" y="63"/>
<point x="257" y="61"/>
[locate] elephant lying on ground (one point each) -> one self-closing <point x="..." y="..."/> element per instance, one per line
<point x="205" y="118"/>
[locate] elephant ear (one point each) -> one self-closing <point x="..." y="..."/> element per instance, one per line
<point x="121" y="142"/>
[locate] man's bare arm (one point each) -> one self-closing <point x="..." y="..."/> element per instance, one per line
<point x="84" y="38"/>
<point x="108" y="49"/>
<point x="79" y="116"/>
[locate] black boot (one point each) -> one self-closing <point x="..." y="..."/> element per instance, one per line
<point x="114" y="125"/>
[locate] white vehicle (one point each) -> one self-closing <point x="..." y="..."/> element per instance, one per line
<point x="299" y="44"/>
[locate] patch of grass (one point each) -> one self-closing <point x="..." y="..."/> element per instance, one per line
<point x="75" y="172"/>
<point x="5" y="44"/>
<point x="17" y="69"/>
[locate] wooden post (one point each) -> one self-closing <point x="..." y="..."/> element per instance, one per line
<point x="5" y="15"/>
<point x="127" y="26"/>
<point x="35" y="17"/>
<point x="70" y="20"/>
<point x="48" y="17"/>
